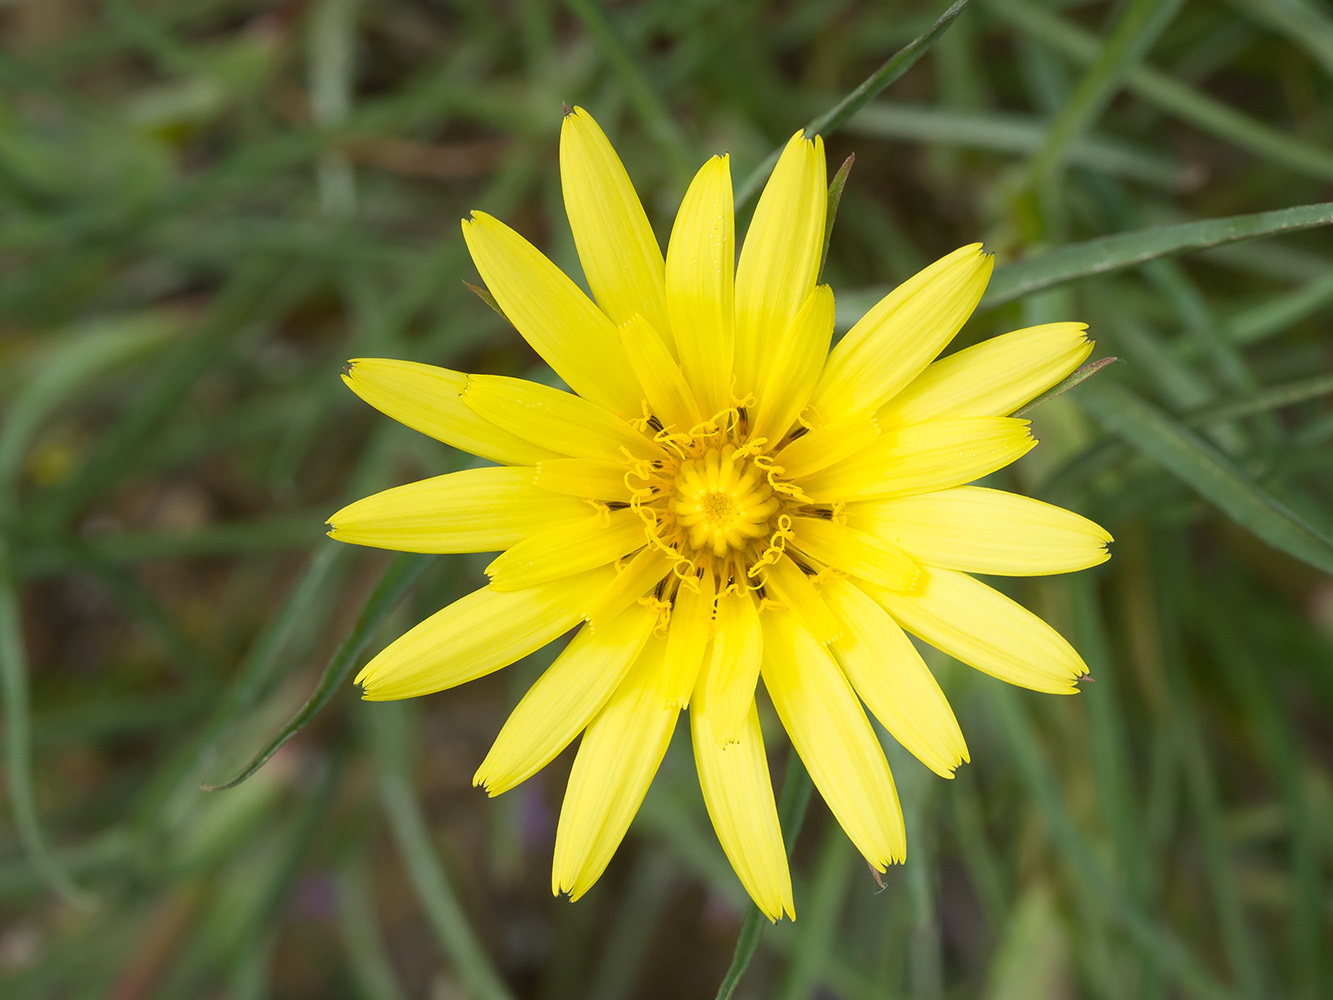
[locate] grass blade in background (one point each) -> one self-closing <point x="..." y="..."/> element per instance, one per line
<point x="67" y="369"/>
<point x="391" y="732"/>
<point x="792" y="803"/>
<point x="398" y="578"/>
<point x="1106" y="254"/>
<point x="1113" y="253"/>
<point x="1187" y="456"/>
<point x="1005" y="131"/>
<point x="871" y="87"/>
<point x="651" y="109"/>
<point x="1187" y="103"/>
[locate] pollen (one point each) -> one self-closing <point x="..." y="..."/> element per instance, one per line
<point x="723" y="501"/>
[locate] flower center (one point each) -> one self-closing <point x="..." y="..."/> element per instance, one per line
<point x="723" y="502"/>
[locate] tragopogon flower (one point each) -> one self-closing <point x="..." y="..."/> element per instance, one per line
<point x="721" y="498"/>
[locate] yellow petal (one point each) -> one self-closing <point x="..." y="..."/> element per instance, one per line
<point x="571" y="334"/>
<point x="930" y="456"/>
<point x="833" y="736"/>
<point x="796" y="364"/>
<point x="733" y="665"/>
<point x="980" y="626"/>
<point x="687" y="640"/>
<point x="700" y="275"/>
<point x="855" y="552"/>
<point x="787" y="584"/>
<point x="992" y="378"/>
<point x="477" y="510"/>
<point x="616" y="245"/>
<point x="426" y="398"/>
<point x="557" y="420"/>
<point x="780" y="258"/>
<point x="739" y="796"/>
<point x="565" y="698"/>
<point x="635" y="582"/>
<point x="476" y="635"/>
<point x="901" y="335"/>
<point x="565" y="549"/>
<point x="594" y="478"/>
<point x="616" y="762"/>
<point x="823" y="446"/>
<point x="892" y="679"/>
<point x="669" y="395"/>
<point x="980" y="530"/>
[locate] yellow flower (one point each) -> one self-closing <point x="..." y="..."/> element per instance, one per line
<point x="722" y="498"/>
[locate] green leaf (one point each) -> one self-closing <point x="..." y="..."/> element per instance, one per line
<point x="647" y="102"/>
<point x="67" y="369"/>
<point x="392" y="734"/>
<point x="1121" y="250"/>
<point x="873" y="85"/>
<point x="1114" y="253"/>
<point x="14" y="688"/>
<point x="1176" y="98"/>
<point x="1086" y="867"/>
<point x="1265" y="400"/>
<point x="1193" y="460"/>
<point x="1009" y="132"/>
<point x="401" y="574"/>
<point x="1142" y="22"/>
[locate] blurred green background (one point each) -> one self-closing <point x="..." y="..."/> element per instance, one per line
<point x="207" y="205"/>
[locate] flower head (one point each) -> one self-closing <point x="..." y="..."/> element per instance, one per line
<point x="722" y="498"/>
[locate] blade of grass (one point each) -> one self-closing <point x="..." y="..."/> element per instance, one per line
<point x="1083" y="864"/>
<point x="70" y="367"/>
<point x="241" y="914"/>
<point x="1121" y="250"/>
<point x="1279" y="313"/>
<point x="249" y="289"/>
<point x="1302" y="22"/>
<point x="1112" y="759"/>
<point x="1137" y="29"/>
<point x="1113" y="253"/>
<point x="391" y="734"/>
<point x="284" y="532"/>
<point x="1191" y="459"/>
<point x="869" y="88"/>
<point x="332" y="71"/>
<point x="1254" y="696"/>
<point x="652" y="110"/>
<point x="1241" y="944"/>
<point x="818" y="928"/>
<point x="397" y="580"/>
<point x="368" y="962"/>
<point x="925" y="957"/>
<point x="1172" y="96"/>
<point x="792" y="802"/>
<point x="171" y="794"/>
<point x="14" y="684"/>
<point x="1274" y="397"/>
<point x="979" y="850"/>
<point x="641" y="912"/>
<point x="1008" y="132"/>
